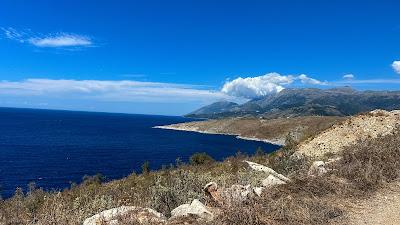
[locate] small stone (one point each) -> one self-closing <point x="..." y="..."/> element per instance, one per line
<point x="317" y="169"/>
<point x="258" y="190"/>
<point x="272" y="181"/>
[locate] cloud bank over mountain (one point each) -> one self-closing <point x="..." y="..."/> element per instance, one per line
<point x="253" y="87"/>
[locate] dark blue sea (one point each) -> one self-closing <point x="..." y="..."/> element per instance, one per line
<point x="54" y="148"/>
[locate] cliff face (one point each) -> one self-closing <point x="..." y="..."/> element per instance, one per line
<point x="307" y="102"/>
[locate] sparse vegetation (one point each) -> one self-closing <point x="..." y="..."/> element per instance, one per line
<point x="364" y="167"/>
<point x="201" y="159"/>
<point x="146" y="168"/>
<point x="371" y="163"/>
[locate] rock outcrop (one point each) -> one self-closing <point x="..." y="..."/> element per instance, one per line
<point x="272" y="181"/>
<point x="126" y="214"/>
<point x="195" y="208"/>
<point x="241" y="193"/>
<point x="267" y="170"/>
<point x="227" y="196"/>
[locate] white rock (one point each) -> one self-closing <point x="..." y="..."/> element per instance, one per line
<point x="271" y="181"/>
<point x="226" y="196"/>
<point x="112" y="216"/>
<point x="258" y="190"/>
<point x="237" y="193"/>
<point x="267" y="170"/>
<point x="195" y="208"/>
<point x="317" y="169"/>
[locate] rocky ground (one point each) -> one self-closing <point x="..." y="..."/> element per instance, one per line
<point x="362" y="127"/>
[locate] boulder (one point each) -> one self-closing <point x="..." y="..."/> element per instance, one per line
<point x="195" y="208"/>
<point x="226" y="196"/>
<point x="272" y="181"/>
<point x="124" y="215"/>
<point x="267" y="170"/>
<point x="317" y="169"/>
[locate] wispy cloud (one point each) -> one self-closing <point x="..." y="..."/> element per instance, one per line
<point x="308" y="80"/>
<point x="51" y="40"/>
<point x="348" y="76"/>
<point x="252" y="87"/>
<point x="368" y="81"/>
<point x="112" y="91"/>
<point x="61" y="40"/>
<point x="396" y="66"/>
<point x="13" y="34"/>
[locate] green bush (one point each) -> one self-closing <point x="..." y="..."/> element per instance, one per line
<point x="201" y="159"/>
<point x="96" y="179"/>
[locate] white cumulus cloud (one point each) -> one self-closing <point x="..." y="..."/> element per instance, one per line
<point x="252" y="87"/>
<point x="396" y="66"/>
<point x="348" y="76"/>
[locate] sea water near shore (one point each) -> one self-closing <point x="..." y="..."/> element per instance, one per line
<point x="54" y="148"/>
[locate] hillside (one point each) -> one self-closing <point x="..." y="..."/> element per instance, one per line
<point x="306" y="102"/>
<point x="216" y="108"/>
<point x="362" y="127"/>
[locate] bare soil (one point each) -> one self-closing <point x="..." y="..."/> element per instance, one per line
<point x="381" y="209"/>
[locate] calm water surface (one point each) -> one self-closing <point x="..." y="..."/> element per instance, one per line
<point x="55" y="148"/>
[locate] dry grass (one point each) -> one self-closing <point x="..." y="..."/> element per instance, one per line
<point x="364" y="168"/>
<point x="371" y="163"/>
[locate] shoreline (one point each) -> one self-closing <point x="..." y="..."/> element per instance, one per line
<point x="278" y="142"/>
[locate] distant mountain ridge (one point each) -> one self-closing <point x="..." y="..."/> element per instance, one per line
<point x="343" y="101"/>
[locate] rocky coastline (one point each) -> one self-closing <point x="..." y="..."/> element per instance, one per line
<point x="190" y="128"/>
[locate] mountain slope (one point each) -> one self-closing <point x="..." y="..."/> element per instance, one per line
<point x="215" y="108"/>
<point x="310" y="101"/>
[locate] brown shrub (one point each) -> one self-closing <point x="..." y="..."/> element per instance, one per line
<point x="301" y="201"/>
<point x="370" y="163"/>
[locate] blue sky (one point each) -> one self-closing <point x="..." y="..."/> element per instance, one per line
<point x="170" y="57"/>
